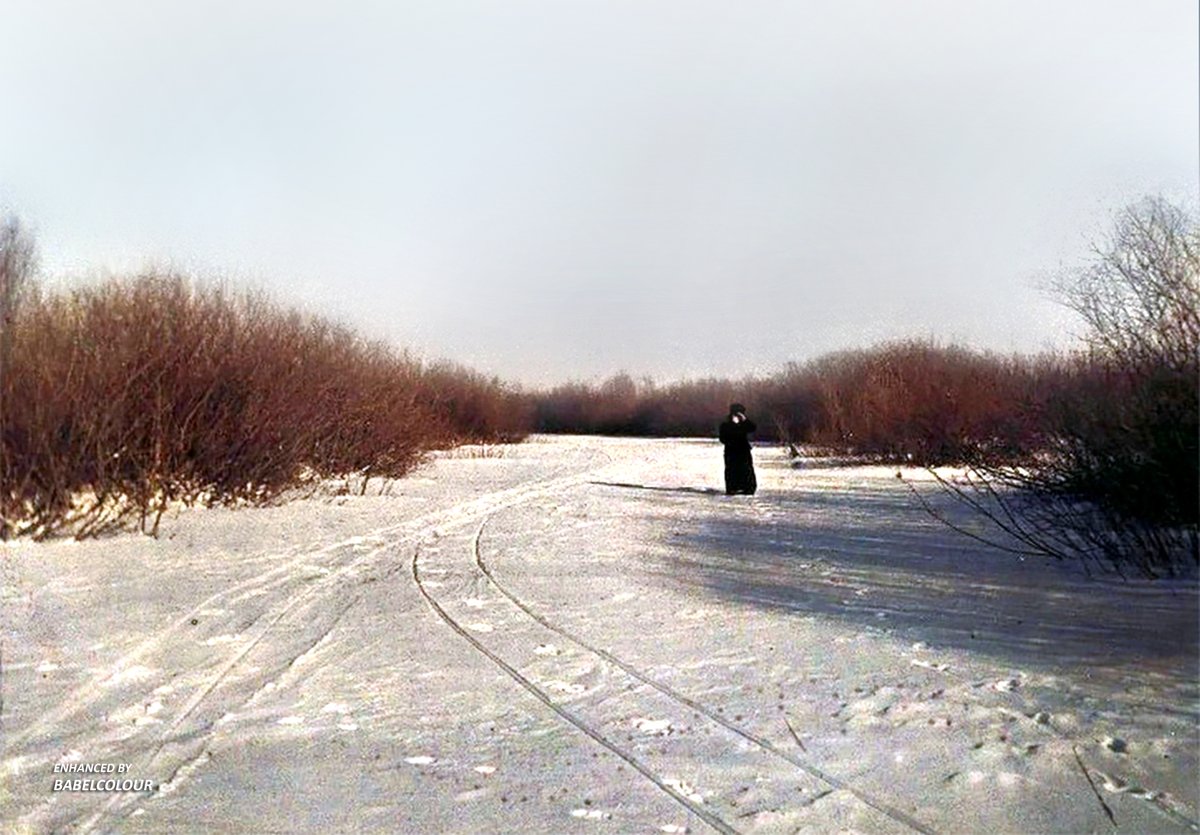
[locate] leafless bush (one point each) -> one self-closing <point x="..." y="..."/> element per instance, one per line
<point x="124" y="398"/>
<point x="1115" y="478"/>
<point x="921" y="402"/>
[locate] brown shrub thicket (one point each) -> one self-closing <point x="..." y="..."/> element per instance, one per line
<point x="1115" y="478"/>
<point x="912" y="400"/>
<point x="122" y="398"/>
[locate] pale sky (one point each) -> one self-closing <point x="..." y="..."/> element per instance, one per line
<point x="562" y="189"/>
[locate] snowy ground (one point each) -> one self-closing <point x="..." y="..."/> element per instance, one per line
<point x="583" y="635"/>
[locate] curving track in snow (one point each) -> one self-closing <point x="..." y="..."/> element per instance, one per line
<point x="582" y="635"/>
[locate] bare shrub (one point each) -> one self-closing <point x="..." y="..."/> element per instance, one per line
<point x="126" y="397"/>
<point x="1115" y="479"/>
<point x="920" y="402"/>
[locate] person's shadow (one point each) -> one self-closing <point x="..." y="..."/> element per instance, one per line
<point x="702" y="491"/>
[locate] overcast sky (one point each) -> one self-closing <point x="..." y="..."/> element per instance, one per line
<point x="558" y="189"/>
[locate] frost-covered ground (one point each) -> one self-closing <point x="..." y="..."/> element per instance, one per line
<point x="583" y="635"/>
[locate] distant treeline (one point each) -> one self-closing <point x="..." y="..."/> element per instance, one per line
<point x="911" y="400"/>
<point x="118" y="399"/>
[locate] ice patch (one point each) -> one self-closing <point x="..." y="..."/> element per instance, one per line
<point x="673" y="829"/>
<point x="347" y="726"/>
<point x="420" y="760"/>
<point x="624" y="597"/>
<point x="47" y="667"/>
<point x="590" y="814"/>
<point x="475" y="602"/>
<point x="134" y="673"/>
<point x="336" y="707"/>
<point x="485" y="769"/>
<point x="220" y="639"/>
<point x="684" y="789"/>
<point x="941" y="668"/>
<point x="545" y="649"/>
<point x="656" y="727"/>
<point x="481" y="627"/>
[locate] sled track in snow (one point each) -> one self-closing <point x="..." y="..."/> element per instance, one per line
<point x="1158" y="803"/>
<point x="382" y="540"/>
<point x="764" y="744"/>
<point x="541" y="695"/>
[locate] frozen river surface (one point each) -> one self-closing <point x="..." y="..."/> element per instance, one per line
<point x="585" y="635"/>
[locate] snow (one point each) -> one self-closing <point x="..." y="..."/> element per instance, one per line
<point x="583" y="634"/>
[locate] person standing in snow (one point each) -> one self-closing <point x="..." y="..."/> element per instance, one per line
<point x="739" y="467"/>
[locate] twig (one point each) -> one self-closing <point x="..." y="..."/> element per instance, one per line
<point x="1095" y="791"/>
<point x="795" y="735"/>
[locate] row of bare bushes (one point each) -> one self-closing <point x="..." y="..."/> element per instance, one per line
<point x="914" y="400"/>
<point x="120" y="399"/>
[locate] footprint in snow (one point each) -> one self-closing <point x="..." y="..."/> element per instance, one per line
<point x="1116" y="785"/>
<point x="1115" y="744"/>
<point x="684" y="789"/>
<point x="564" y="687"/>
<point x="941" y="668"/>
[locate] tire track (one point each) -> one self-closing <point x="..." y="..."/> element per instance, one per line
<point x="703" y="814"/>
<point x="1021" y="703"/>
<point x="92" y="692"/>
<point x="764" y="744"/>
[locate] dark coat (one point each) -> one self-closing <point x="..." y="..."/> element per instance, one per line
<point x="739" y="467"/>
